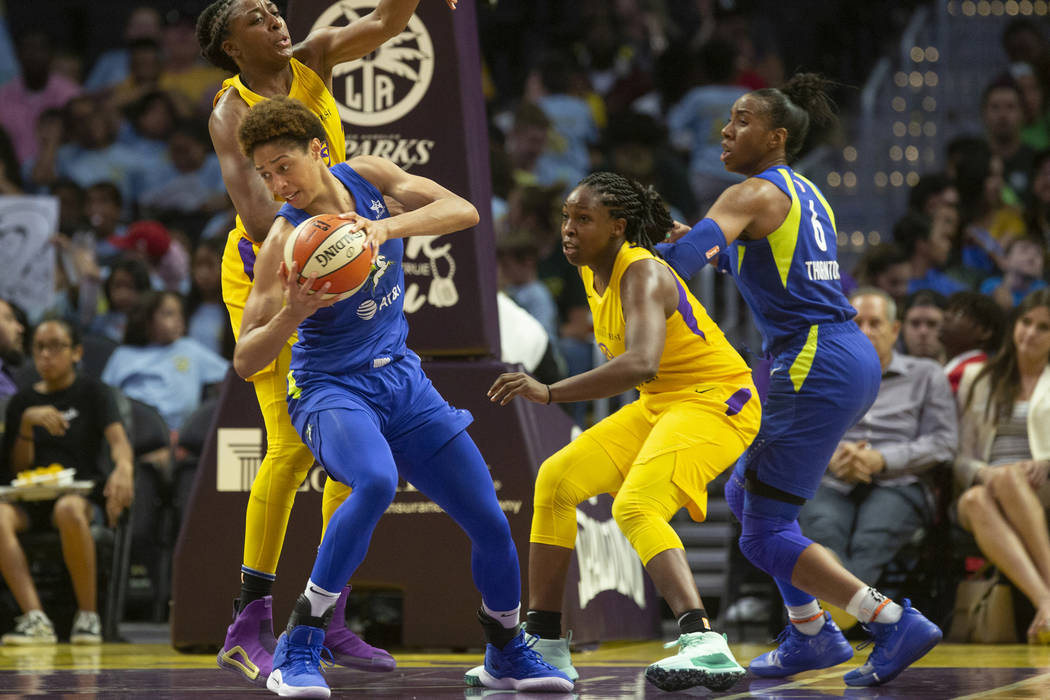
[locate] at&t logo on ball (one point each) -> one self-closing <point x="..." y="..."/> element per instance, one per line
<point x="384" y="85"/>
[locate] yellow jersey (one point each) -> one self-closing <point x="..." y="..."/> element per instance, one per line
<point x="695" y="350"/>
<point x="238" y="259"/>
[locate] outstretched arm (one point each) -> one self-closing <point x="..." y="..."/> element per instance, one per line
<point x="276" y="306"/>
<point x="648" y="297"/>
<point x="755" y="206"/>
<point x="327" y="47"/>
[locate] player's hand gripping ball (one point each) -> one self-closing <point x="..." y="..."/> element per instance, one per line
<point x="326" y="246"/>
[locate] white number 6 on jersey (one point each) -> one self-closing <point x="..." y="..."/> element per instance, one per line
<point x="818" y="230"/>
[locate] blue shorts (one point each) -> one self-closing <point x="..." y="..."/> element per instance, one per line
<point x="398" y="398"/>
<point x="820" y="385"/>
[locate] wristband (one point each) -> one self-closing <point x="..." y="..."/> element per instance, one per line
<point x="695" y="249"/>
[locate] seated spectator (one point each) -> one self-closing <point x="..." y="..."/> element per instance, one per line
<point x="112" y="66"/>
<point x="35" y="91"/>
<point x="874" y="497"/>
<point x="62" y="419"/>
<point x="636" y="147"/>
<point x="165" y="255"/>
<point x="972" y="330"/>
<point x="933" y="192"/>
<point x="209" y="321"/>
<point x="128" y="280"/>
<point x="886" y="267"/>
<point x="192" y="183"/>
<point x="186" y="74"/>
<point x="1022" y="272"/>
<point x="1037" y="213"/>
<point x="144" y="67"/>
<point x="1036" y="130"/>
<point x="696" y="121"/>
<point x="158" y="364"/>
<point x="526" y="141"/>
<point x="1004" y="456"/>
<point x="11" y="332"/>
<point x="517" y="257"/>
<point x="989" y="221"/>
<point x="1002" y="111"/>
<point x="573" y="129"/>
<point x="104" y="206"/>
<point x="150" y="119"/>
<point x="927" y="248"/>
<point x="93" y="155"/>
<point x="921" y="325"/>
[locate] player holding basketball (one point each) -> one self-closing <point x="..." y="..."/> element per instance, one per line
<point x="358" y="397"/>
<point x="249" y="38"/>
<point x="825" y="375"/>
<point x="697" y="412"/>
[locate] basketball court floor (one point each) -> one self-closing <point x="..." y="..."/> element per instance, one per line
<point x="157" y="672"/>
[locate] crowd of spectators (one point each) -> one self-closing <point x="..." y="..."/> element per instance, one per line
<point x="636" y="87"/>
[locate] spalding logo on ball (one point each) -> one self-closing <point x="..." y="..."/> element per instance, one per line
<point x="326" y="245"/>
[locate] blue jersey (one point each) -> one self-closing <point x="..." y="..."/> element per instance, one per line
<point x="790" y="278"/>
<point x="369" y="327"/>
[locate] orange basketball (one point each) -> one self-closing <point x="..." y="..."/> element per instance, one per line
<point x="324" y="244"/>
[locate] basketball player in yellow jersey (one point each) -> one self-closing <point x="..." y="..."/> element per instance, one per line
<point x="697" y="412"/>
<point x="250" y="39"/>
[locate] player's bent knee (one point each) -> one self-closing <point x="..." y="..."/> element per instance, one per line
<point x="773" y="551"/>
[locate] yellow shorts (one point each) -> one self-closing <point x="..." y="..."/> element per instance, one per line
<point x="657" y="453"/>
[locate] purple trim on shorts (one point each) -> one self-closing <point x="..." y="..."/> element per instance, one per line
<point x="737" y="401"/>
<point x="686" y="309"/>
<point x="244" y="247"/>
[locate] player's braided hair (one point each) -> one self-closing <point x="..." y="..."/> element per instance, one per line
<point x="212" y="30"/>
<point x="801" y="102"/>
<point x="648" y="220"/>
<point x="279" y="119"/>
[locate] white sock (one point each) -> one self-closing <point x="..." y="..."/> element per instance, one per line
<point x="508" y="618"/>
<point x="808" y="618"/>
<point x="320" y="599"/>
<point x="868" y="605"/>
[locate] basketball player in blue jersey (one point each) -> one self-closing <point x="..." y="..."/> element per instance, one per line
<point x="250" y="39"/>
<point x="359" y="398"/>
<point x="775" y="233"/>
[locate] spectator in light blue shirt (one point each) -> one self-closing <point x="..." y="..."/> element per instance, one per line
<point x="573" y="130"/>
<point x="112" y="66"/>
<point x="697" y="119"/>
<point x="158" y="365"/>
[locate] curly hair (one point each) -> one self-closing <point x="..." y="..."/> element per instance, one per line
<point x="801" y="102"/>
<point x="279" y="119"/>
<point x="648" y="220"/>
<point x="212" y="30"/>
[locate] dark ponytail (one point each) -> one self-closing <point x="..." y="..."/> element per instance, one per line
<point x="648" y="220"/>
<point x="800" y="103"/>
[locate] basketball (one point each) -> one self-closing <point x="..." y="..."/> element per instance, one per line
<point x="325" y="245"/>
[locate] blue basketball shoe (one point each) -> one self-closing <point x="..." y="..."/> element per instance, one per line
<point x="297" y="664"/>
<point x="897" y="646"/>
<point x="797" y="652"/>
<point x="518" y="666"/>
